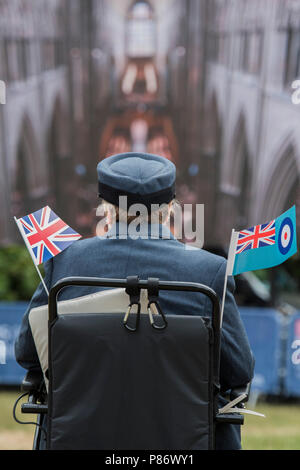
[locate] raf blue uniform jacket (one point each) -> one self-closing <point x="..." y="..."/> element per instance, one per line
<point x="167" y="259"/>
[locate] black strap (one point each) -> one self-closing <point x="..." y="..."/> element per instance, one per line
<point x="133" y="291"/>
<point x="153" y="289"/>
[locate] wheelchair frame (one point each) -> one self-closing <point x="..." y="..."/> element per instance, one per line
<point x="33" y="381"/>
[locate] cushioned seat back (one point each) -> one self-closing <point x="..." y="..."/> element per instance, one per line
<point x="109" y="300"/>
<point x="115" y="389"/>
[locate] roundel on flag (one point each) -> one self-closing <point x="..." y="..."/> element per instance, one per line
<point x="286" y="235"/>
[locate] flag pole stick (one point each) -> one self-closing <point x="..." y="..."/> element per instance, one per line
<point x="223" y="298"/>
<point x="229" y="268"/>
<point x="29" y="249"/>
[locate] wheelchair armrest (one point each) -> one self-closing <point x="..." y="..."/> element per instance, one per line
<point x="32" y="381"/>
<point x="34" y="408"/>
<point x="238" y="391"/>
<point x="33" y="384"/>
<point x="230" y="418"/>
<point x="229" y="413"/>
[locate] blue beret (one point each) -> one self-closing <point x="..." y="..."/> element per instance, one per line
<point x="142" y="177"/>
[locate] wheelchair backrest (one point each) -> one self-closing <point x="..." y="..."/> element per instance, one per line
<point x="110" y="300"/>
<point x="115" y="388"/>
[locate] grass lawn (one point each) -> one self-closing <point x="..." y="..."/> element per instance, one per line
<point x="13" y="435"/>
<point x="280" y="430"/>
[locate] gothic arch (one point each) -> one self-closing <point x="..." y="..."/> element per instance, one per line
<point x="59" y="164"/>
<point x="26" y="178"/>
<point x="212" y="137"/>
<point x="212" y="160"/>
<point x="283" y="184"/>
<point x="239" y="152"/>
<point x="239" y="171"/>
<point x="141" y="9"/>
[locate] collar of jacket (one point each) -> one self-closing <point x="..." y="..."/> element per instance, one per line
<point x="145" y="230"/>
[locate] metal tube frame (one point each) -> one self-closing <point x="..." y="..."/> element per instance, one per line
<point x="143" y="284"/>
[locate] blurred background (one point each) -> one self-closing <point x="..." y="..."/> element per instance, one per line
<point x="210" y="85"/>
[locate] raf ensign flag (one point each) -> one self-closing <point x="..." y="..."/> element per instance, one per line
<point x="263" y="246"/>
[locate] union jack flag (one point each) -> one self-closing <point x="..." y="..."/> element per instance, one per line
<point x="45" y="234"/>
<point x="256" y="237"/>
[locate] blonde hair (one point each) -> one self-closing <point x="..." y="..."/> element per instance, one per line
<point x="160" y="215"/>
